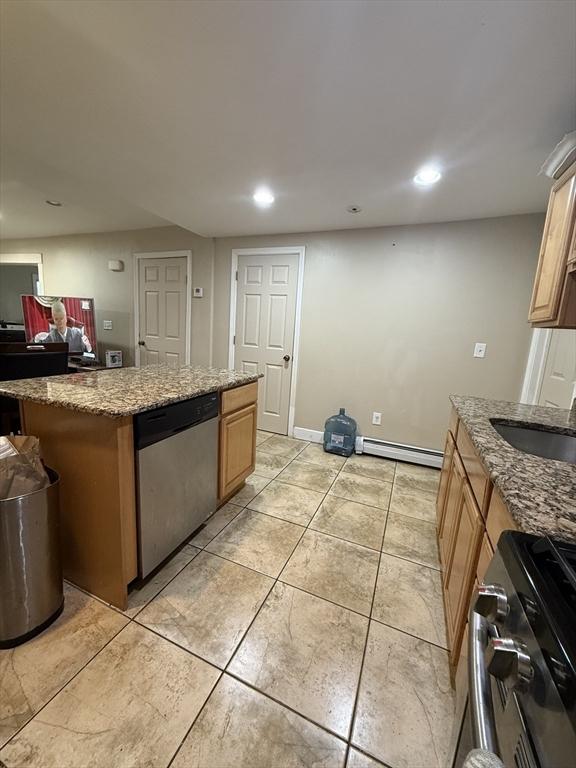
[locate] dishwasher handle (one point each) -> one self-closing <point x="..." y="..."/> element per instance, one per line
<point x="152" y="426"/>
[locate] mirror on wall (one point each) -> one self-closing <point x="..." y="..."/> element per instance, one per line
<point x="15" y="280"/>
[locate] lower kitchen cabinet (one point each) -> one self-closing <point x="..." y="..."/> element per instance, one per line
<point x="237" y="449"/>
<point x="469" y="529"/>
<point x="470" y="516"/>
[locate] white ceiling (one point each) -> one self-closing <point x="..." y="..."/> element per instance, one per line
<point x="145" y="110"/>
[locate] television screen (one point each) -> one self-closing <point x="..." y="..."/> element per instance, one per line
<point x="50" y="319"/>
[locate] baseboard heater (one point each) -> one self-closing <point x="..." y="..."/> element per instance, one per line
<point x="399" y="452"/>
<point x="375" y="447"/>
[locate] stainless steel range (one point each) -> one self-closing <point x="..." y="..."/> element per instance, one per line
<point x="522" y="656"/>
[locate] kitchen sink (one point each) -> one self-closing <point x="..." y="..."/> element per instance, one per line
<point x="538" y="440"/>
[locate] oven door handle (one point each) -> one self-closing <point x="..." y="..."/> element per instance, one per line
<point x="480" y="691"/>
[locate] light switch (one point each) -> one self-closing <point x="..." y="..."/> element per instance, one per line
<point x="376" y="418"/>
<point x="107" y="325"/>
<point x="480" y="349"/>
<point x="198" y="293"/>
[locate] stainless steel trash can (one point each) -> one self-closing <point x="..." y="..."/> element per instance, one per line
<point x="31" y="588"/>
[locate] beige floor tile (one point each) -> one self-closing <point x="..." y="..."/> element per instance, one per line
<point x="308" y="475"/>
<point x="409" y="597"/>
<point x="138" y="598"/>
<point x="411" y="538"/>
<point x="413" y="502"/>
<point x="306" y="653"/>
<point x="358" y="760"/>
<point x="335" y="569"/>
<point x="254" y="484"/>
<point x="354" y="522"/>
<point x="370" y="466"/>
<point x="405" y="704"/>
<point x="315" y="454"/>
<point x="257" y="541"/>
<point x="262" y="436"/>
<point x="33" y="672"/>
<point x="365" y="490"/>
<point x="208" y="607"/>
<point x="289" y="502"/>
<point x="417" y="477"/>
<point x="280" y="445"/>
<point x="241" y="728"/>
<point x="131" y="706"/>
<point x="269" y="464"/>
<point x="215" y="524"/>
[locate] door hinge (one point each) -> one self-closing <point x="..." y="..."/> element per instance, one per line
<point x="234" y="342"/>
<point x="236" y="274"/>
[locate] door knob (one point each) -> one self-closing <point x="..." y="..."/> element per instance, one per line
<point x="286" y="358"/>
<point x="141" y="343"/>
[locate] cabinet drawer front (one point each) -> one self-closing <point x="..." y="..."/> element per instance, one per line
<point x="239" y="397"/>
<point x="477" y="475"/>
<point x="499" y="519"/>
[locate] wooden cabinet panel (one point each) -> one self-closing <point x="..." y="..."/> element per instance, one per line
<point x="237" y="449"/>
<point x="444" y="480"/>
<point x="499" y="519"/>
<point x="477" y="475"/>
<point x="451" y="510"/>
<point x="556" y="240"/>
<point x="453" y="423"/>
<point x="462" y="571"/>
<point x="484" y="558"/>
<point x="234" y="399"/>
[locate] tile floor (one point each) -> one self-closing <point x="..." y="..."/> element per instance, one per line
<point x="301" y="627"/>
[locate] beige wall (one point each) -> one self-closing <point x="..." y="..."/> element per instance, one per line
<point x="77" y="265"/>
<point x="390" y="317"/>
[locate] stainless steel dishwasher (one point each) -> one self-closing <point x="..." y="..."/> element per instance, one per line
<point x="177" y="475"/>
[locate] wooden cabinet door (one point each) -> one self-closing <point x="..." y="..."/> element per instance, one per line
<point x="237" y="449"/>
<point x="551" y="271"/>
<point x="444" y="480"/>
<point x="451" y="510"/>
<point x="458" y="586"/>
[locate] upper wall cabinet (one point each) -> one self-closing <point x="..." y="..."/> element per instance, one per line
<point x="554" y="296"/>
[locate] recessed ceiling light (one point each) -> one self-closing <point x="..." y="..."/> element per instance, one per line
<point x="353" y="209"/>
<point x="427" y="175"/>
<point x="55" y="203"/>
<point x="263" y="197"/>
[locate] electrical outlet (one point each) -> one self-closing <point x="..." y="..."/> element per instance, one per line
<point x="107" y="325"/>
<point x="480" y="349"/>
<point x="376" y="418"/>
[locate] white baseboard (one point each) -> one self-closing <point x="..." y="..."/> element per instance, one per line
<point x="312" y="435"/>
<point x="410" y="453"/>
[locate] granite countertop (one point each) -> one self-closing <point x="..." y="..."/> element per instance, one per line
<point x="124" y="391"/>
<point x="539" y="493"/>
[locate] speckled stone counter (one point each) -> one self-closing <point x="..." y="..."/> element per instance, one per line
<point x="124" y="391"/>
<point x="539" y="493"/>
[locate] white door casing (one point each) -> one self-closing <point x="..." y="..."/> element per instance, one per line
<point x="559" y="378"/>
<point x="162" y="322"/>
<point x="267" y="288"/>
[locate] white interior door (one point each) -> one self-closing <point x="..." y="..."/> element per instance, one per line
<point x="162" y="310"/>
<point x="264" y="339"/>
<point x="560" y="371"/>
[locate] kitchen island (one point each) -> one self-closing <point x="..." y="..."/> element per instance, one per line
<point x="85" y="423"/>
